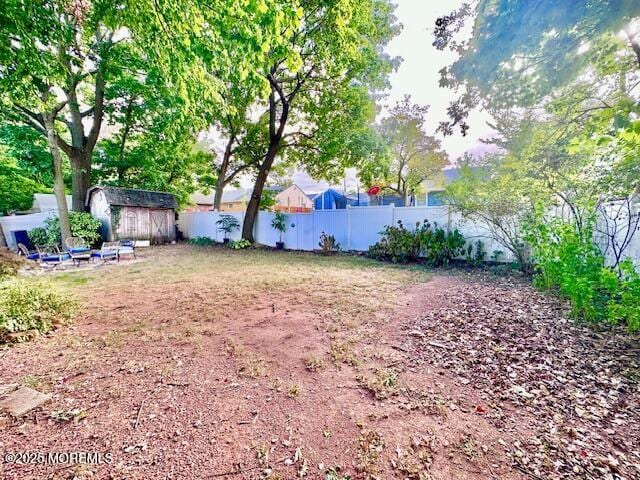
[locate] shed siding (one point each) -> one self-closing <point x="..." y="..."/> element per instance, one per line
<point x="120" y="222"/>
<point x="133" y="224"/>
<point x="99" y="209"/>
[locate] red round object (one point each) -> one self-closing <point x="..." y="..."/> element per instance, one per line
<point x="375" y="190"/>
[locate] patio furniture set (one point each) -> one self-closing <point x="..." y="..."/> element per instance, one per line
<point x="77" y="250"/>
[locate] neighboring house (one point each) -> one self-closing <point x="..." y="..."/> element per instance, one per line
<point x="232" y="201"/>
<point x="360" y="199"/>
<point x="235" y="200"/>
<point x="200" y="202"/>
<point x="435" y="188"/>
<point x="293" y="200"/>
<point x="378" y="200"/>
<point x="133" y="214"/>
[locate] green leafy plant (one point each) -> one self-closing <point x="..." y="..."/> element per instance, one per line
<point x="239" y="244"/>
<point x="441" y="247"/>
<point x="83" y="225"/>
<point x="400" y="244"/>
<point x="568" y="262"/>
<point x="476" y="253"/>
<point x="228" y="224"/>
<point x="201" y="241"/>
<point x="328" y="244"/>
<point x="279" y="223"/>
<point x="38" y="236"/>
<point x="497" y="255"/>
<point x="31" y="305"/>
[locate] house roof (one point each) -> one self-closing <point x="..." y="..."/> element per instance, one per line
<point x="129" y="197"/>
<point x="237" y="195"/>
<point x="200" y="198"/>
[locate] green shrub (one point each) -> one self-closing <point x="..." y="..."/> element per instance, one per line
<point x="475" y="253"/>
<point x="568" y="262"/>
<point x="239" y="244"/>
<point x="82" y="224"/>
<point x="201" y="241"/>
<point x="27" y="304"/>
<point x="401" y="245"/>
<point x="38" y="236"/>
<point x="624" y="304"/>
<point x="441" y="247"/>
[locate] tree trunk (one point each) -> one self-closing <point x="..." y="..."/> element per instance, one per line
<point x="254" y="203"/>
<point x="220" y="184"/>
<point x="58" y="179"/>
<point x="80" y="181"/>
<point x="3" y="241"/>
<point x="222" y="173"/>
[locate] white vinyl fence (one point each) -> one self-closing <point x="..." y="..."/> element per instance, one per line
<point x="355" y="228"/>
<point x="14" y="223"/>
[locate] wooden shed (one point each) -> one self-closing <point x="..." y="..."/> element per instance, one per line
<point x="127" y="213"/>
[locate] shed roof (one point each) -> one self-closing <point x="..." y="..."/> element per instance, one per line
<point x="129" y="197"/>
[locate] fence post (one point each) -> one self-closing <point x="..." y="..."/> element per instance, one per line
<point x="348" y="227"/>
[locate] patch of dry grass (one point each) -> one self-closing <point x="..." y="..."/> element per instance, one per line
<point x="383" y="383"/>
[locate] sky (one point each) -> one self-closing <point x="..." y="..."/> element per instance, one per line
<point x="418" y="76"/>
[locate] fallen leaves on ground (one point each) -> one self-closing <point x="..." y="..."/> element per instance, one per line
<point x="570" y="391"/>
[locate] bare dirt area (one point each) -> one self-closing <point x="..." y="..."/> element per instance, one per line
<point x="212" y="363"/>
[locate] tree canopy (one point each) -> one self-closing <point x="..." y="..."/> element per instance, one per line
<point x="413" y="156"/>
<point x="320" y="111"/>
<point x="520" y="51"/>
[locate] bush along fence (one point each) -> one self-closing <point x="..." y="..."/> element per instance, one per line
<point x="354" y="229"/>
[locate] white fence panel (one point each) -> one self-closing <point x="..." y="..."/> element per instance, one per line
<point x="411" y="215"/>
<point x="203" y="224"/>
<point x="331" y="222"/>
<point x="365" y="225"/>
<point x="291" y="237"/>
<point x="304" y="232"/>
<point x="355" y="228"/>
<point x="264" y="233"/>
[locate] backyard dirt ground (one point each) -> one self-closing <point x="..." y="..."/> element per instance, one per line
<point x="202" y="362"/>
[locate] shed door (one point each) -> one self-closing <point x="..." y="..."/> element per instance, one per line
<point x="159" y="230"/>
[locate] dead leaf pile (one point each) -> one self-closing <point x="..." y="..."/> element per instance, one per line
<point x="575" y="387"/>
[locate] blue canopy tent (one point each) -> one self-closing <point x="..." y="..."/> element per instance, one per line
<point x="330" y="199"/>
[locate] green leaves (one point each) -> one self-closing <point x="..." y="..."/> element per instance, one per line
<point x="413" y="156"/>
<point x="16" y="186"/>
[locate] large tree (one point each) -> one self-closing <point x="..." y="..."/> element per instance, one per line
<point x="319" y="108"/>
<point x="521" y="51"/>
<point x="414" y="156"/>
<point x="57" y="59"/>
